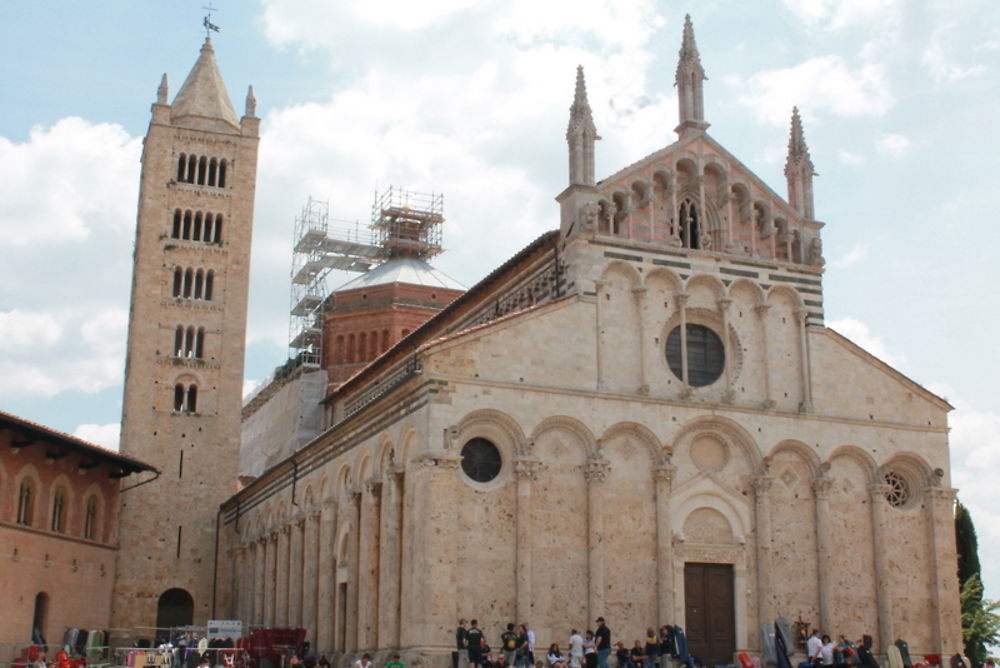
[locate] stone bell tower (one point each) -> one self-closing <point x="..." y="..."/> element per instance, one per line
<point x="184" y="369"/>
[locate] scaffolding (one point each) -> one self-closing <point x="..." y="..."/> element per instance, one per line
<point x="317" y="249"/>
<point x="404" y="224"/>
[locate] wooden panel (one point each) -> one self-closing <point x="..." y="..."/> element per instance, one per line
<point x="710" y="612"/>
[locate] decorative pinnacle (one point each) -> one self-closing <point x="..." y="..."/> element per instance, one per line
<point x="798" y="152"/>
<point x="161" y="92"/>
<point x="580" y="115"/>
<point x="689" y="57"/>
<point x="251" y="103"/>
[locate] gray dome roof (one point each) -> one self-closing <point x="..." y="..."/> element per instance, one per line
<point x="403" y="270"/>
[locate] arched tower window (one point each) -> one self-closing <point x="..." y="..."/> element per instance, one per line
<point x="185" y="398"/>
<point x="196" y="230"/>
<point x="202" y="170"/>
<point x="186" y="234"/>
<point x="178" y="397"/>
<point x="59" y="511"/>
<point x="192" y="167"/>
<point x="199" y="279"/>
<point x="178" y="281"/>
<point x="192" y="398"/>
<point x="689" y="221"/>
<point x="217" y="236"/>
<point x="199" y="343"/>
<point x="25" y="502"/>
<point x="209" y="282"/>
<point x="181" y="167"/>
<point x="213" y="166"/>
<point x="188" y="282"/>
<point x="222" y="173"/>
<point x="206" y="234"/>
<point x="176" y="232"/>
<point x="90" y="519"/>
<point x="179" y="341"/>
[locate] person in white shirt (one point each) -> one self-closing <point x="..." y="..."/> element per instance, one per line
<point x="826" y="652"/>
<point x="575" y="649"/>
<point x="813" y="646"/>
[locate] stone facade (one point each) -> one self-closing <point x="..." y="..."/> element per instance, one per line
<point x="184" y="370"/>
<point x="660" y="390"/>
<point x="59" y="528"/>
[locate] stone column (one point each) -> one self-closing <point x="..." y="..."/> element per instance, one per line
<point x="368" y="594"/>
<point x="801" y="314"/>
<point x="682" y="299"/>
<point x="595" y="472"/>
<point x="432" y="476"/>
<point x="664" y="544"/>
<point x="295" y="571"/>
<point x="310" y="576"/>
<point x="762" y="310"/>
<point x="729" y="395"/>
<point x="640" y="305"/>
<point x="824" y="562"/>
<point x="599" y="324"/>
<point x="762" y="520"/>
<point x="946" y="614"/>
<point x="284" y="559"/>
<point x="326" y="560"/>
<point x="271" y="581"/>
<point x="883" y="576"/>
<point x="260" y="582"/>
<point x="526" y="471"/>
<point x="351" y="618"/>
<point x="389" y="559"/>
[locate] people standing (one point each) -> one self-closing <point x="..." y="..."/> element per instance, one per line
<point x="462" y="645"/>
<point x="575" y="649"/>
<point x="603" y="636"/>
<point x="826" y="652"/>
<point x="590" y="650"/>
<point x="813" y="646"/>
<point x="474" y="641"/>
<point x="523" y="656"/>
<point x="508" y="643"/>
<point x="652" y="649"/>
<point x="531" y="643"/>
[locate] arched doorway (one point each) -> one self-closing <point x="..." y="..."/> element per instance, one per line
<point x="39" y="618"/>
<point x="175" y="608"/>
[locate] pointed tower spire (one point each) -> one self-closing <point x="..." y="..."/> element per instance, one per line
<point x="581" y="135"/>
<point x="161" y="92"/>
<point x="203" y="95"/>
<point x="799" y="169"/>
<point x="688" y="79"/>
<point x="251" y="103"/>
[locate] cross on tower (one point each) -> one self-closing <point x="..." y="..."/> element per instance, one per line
<point x="207" y="21"/>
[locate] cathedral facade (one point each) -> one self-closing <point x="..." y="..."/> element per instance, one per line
<point x="640" y="416"/>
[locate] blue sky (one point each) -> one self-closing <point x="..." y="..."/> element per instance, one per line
<point x="899" y="101"/>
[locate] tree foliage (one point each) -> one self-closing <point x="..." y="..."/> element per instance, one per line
<point x="967" y="544"/>
<point x="980" y="620"/>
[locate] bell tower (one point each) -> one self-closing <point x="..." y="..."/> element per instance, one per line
<point x="184" y="366"/>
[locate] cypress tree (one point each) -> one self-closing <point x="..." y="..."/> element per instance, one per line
<point x="967" y="544"/>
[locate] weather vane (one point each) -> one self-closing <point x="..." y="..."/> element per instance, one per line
<point x="207" y="21"/>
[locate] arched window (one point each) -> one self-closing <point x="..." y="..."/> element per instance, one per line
<point x="188" y="282"/>
<point x="209" y="282"/>
<point x="186" y="234"/>
<point x="185" y="398"/>
<point x="217" y="237"/>
<point x="90" y="519"/>
<point x="179" y="341"/>
<point x="222" y="173"/>
<point x="40" y="617"/>
<point x="189" y="342"/>
<point x="191" y="168"/>
<point x="199" y="279"/>
<point x="174" y="608"/>
<point x="176" y="233"/>
<point x="196" y="230"/>
<point x="202" y="169"/>
<point x="199" y="343"/>
<point x="25" y="502"/>
<point x="59" y="511"/>
<point x="178" y="398"/>
<point x="206" y="234"/>
<point x="181" y="167"/>
<point x="178" y="281"/>
<point x="192" y="399"/>
<point x="213" y="167"/>
<point x="689" y="224"/>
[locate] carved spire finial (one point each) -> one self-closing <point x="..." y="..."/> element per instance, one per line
<point x="161" y="92"/>
<point x="251" y="103"/>
<point x="581" y="133"/>
<point x="799" y="169"/>
<point x="688" y="79"/>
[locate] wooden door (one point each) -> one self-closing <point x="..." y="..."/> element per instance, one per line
<point x="710" y="612"/>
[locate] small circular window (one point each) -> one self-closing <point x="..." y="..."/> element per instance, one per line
<point x="706" y="356"/>
<point x="481" y="460"/>
<point x="899" y="490"/>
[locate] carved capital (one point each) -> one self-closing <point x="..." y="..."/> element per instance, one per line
<point x="821" y="487"/>
<point x="596" y="470"/>
<point x="801" y="313"/>
<point x="639" y="291"/>
<point x="301" y="522"/>
<point x="373" y="486"/>
<point x="762" y="485"/>
<point x="665" y="474"/>
<point x="762" y="309"/>
<point x="286" y="529"/>
<point x="527" y="469"/>
<point x="724" y="303"/>
<point x="315" y="516"/>
<point x="681" y="298"/>
<point x="878" y="492"/>
<point x="273" y="537"/>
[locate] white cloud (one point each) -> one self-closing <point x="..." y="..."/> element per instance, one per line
<point x="20" y="330"/>
<point x="823" y="83"/>
<point x="839" y="14"/>
<point x="859" y="333"/>
<point x="892" y="145"/>
<point x="849" y="157"/>
<point x="105" y="435"/>
<point x="937" y="59"/>
<point x="855" y="254"/>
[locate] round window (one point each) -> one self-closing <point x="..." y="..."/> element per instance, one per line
<point x="481" y="460"/>
<point x="706" y="356"/>
<point x="899" y="490"/>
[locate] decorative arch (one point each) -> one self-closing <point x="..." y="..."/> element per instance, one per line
<point x="386" y="455"/>
<point x="27" y="490"/>
<point x="344" y="481"/>
<point x="732" y="431"/>
<point x="700" y="496"/>
<point x="859" y="455"/>
<point x="625" y="269"/>
<point x="802" y="450"/>
<point x="662" y="273"/>
<point x="911" y="465"/>
<point x="407" y="440"/>
<point x="779" y="290"/>
<point x="641" y="193"/>
<point x="60" y="504"/>
<point x="713" y="283"/>
<point x="643" y="434"/>
<point x="569" y="425"/>
<point x="754" y="287"/>
<point x="488" y="420"/>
